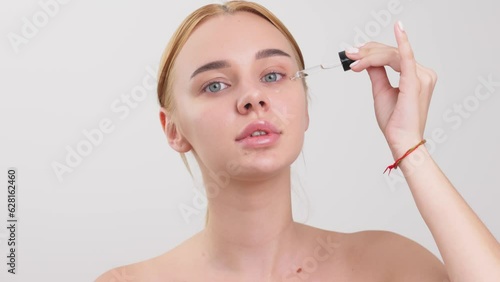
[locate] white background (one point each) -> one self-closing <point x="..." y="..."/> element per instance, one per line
<point x="121" y="203"/>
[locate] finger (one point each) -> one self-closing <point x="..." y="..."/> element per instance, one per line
<point x="428" y="77"/>
<point x="428" y="80"/>
<point x="365" y="48"/>
<point x="379" y="79"/>
<point x="384" y="95"/>
<point x="376" y="57"/>
<point x="408" y="64"/>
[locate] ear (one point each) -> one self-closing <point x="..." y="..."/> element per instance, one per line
<point x="175" y="138"/>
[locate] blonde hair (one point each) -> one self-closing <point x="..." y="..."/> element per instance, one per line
<point x="184" y="31"/>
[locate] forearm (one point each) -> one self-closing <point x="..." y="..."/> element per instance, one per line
<point x="469" y="250"/>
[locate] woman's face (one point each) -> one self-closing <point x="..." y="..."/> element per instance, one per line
<point x="234" y="71"/>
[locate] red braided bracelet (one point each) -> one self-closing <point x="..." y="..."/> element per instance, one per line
<point x="396" y="163"/>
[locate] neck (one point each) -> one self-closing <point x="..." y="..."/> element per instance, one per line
<point x="250" y="226"/>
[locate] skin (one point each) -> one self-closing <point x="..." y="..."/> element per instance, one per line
<point x="250" y="235"/>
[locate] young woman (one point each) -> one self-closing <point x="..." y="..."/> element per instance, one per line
<point x="224" y="88"/>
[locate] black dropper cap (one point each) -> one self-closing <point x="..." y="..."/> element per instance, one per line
<point x="346" y="62"/>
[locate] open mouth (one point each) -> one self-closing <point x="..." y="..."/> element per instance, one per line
<point x="258" y="133"/>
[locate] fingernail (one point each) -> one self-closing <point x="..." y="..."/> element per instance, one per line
<point x="352" y="50"/>
<point x="353" y="64"/>
<point x="360" y="45"/>
<point x="400" y="25"/>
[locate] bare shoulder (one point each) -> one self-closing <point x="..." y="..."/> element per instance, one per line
<point x="403" y="258"/>
<point x="122" y="273"/>
<point x="135" y="272"/>
<point x="371" y="256"/>
<point x="165" y="267"/>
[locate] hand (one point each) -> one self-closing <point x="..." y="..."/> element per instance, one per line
<point x="401" y="112"/>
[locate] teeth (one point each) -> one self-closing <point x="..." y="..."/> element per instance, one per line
<point x="258" y="133"/>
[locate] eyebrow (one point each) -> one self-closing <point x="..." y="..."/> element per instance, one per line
<point x="262" y="54"/>
<point x="270" y="53"/>
<point x="211" y="66"/>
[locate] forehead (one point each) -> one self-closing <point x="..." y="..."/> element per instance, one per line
<point x="230" y="37"/>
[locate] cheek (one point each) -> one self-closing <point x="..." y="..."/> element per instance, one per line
<point x="289" y="106"/>
<point x="205" y="125"/>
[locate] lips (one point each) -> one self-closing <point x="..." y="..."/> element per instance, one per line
<point x="260" y="125"/>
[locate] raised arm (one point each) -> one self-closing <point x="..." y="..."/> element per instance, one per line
<point x="470" y="252"/>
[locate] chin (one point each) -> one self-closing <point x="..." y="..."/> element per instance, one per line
<point x="252" y="165"/>
<point x="261" y="168"/>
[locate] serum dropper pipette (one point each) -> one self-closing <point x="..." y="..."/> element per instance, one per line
<point x="345" y="62"/>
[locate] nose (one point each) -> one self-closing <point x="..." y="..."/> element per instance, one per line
<point x="253" y="100"/>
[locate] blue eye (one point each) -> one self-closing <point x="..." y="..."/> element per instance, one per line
<point x="215" y="86"/>
<point x="272" y="77"/>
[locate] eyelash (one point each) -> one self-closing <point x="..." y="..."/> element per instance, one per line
<point x="275" y="72"/>
<point x="206" y="85"/>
